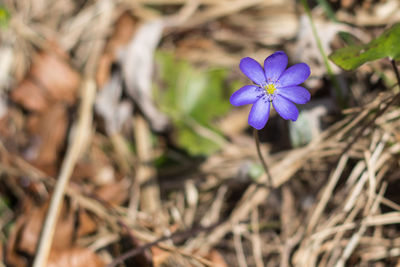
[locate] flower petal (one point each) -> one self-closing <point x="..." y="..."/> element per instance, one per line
<point x="246" y="95"/>
<point x="296" y="94"/>
<point x="285" y="108"/>
<point x="274" y="65"/>
<point x="253" y="70"/>
<point x="259" y="113"/>
<point x="294" y="75"/>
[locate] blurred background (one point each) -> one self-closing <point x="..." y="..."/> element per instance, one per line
<point x="127" y="101"/>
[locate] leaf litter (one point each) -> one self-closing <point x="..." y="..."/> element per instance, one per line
<point x="167" y="177"/>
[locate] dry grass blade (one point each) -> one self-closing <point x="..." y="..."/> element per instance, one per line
<point x="327" y="193"/>
<point x="237" y="239"/>
<point x="79" y="140"/>
<point x="357" y="236"/>
<point x="82" y="132"/>
<point x="255" y="237"/>
<point x="150" y="195"/>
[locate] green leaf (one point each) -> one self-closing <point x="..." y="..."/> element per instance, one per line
<point x="348" y="38"/>
<point x="4" y="16"/>
<point x="194" y="99"/>
<point x="386" y="45"/>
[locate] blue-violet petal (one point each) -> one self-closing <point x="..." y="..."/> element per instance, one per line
<point x="274" y="65"/>
<point x="285" y="108"/>
<point x="246" y="95"/>
<point x="296" y="94"/>
<point x="259" y="113"/>
<point x="253" y="70"/>
<point x="294" y="75"/>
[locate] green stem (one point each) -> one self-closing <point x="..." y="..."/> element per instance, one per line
<point x="324" y="56"/>
<point x="269" y="177"/>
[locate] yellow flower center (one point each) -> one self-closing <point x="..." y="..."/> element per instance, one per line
<point x="270" y="88"/>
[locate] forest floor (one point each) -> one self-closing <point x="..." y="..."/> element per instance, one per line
<point x="119" y="147"/>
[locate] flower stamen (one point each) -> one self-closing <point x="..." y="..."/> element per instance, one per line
<point x="270" y="88"/>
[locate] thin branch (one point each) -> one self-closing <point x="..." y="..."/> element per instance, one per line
<point x="177" y="236"/>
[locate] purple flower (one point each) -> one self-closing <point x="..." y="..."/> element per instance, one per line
<point x="273" y="85"/>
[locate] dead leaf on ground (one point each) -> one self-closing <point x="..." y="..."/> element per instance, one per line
<point x="114" y="193"/>
<point x="49" y="132"/>
<point x="74" y="257"/>
<point x="50" y="79"/>
<point x="87" y="225"/>
<point x="57" y="77"/>
<point x="123" y="32"/>
<point x="96" y="167"/>
<point x="159" y="255"/>
<point x="32" y="227"/>
<point x="216" y="258"/>
<point x="163" y="258"/>
<point x="13" y="257"/>
<point x="24" y="236"/>
<point x="30" y="96"/>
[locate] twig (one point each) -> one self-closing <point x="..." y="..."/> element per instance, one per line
<point x="327" y="193"/>
<point x="237" y="242"/>
<point x="180" y="235"/>
<point x="79" y="137"/>
<point x="150" y="192"/>
<point x="355" y="239"/>
<point x="255" y="237"/>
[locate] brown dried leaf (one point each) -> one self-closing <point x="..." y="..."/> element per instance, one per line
<point x="159" y="256"/>
<point x="97" y="168"/>
<point x="50" y="79"/>
<point x="74" y="257"/>
<point x="104" y="69"/>
<point x="49" y="132"/>
<point x="11" y="253"/>
<point x="30" y="96"/>
<point x="25" y="234"/>
<point x="32" y="227"/>
<point x="114" y="193"/>
<point x="216" y="258"/>
<point x="163" y="258"/>
<point x="86" y="224"/>
<point x="55" y="75"/>
<point x="123" y="32"/>
<point x="83" y="170"/>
